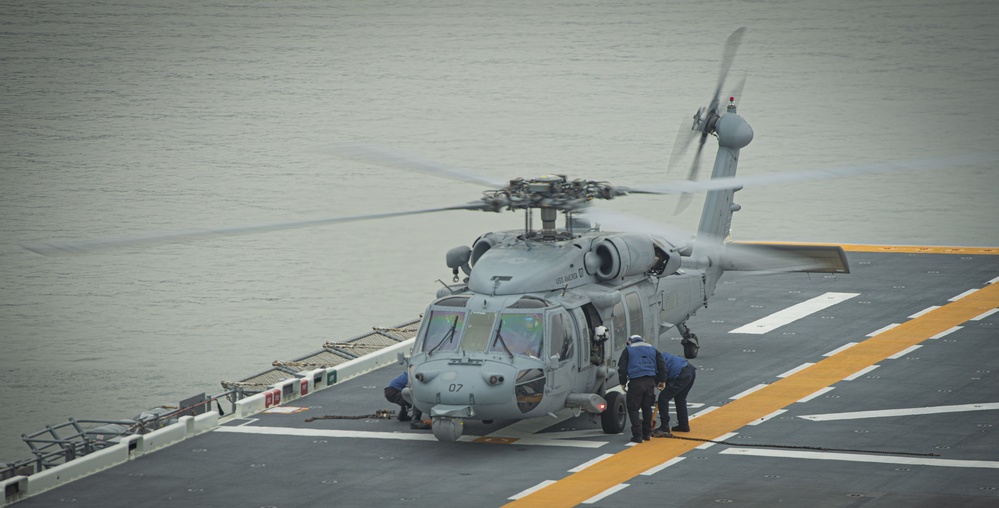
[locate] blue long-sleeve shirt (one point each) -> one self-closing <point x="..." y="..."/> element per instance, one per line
<point x="400" y="382"/>
<point x="674" y="364"/>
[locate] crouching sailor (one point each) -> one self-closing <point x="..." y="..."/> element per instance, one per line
<point x="393" y="394"/>
<point x="679" y="379"/>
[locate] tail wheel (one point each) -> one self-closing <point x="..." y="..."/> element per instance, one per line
<point x="613" y="418"/>
<point x="690" y="347"/>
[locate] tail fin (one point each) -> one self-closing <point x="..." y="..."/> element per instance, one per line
<point x="734" y="133"/>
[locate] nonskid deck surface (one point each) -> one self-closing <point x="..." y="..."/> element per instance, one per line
<point x="905" y="357"/>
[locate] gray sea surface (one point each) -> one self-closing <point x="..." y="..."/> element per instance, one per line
<point x="121" y="118"/>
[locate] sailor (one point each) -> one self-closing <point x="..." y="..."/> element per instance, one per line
<point x="641" y="370"/>
<point x="393" y="394"/>
<point x="679" y="379"/>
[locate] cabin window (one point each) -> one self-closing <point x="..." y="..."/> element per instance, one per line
<point x="563" y="338"/>
<point x="519" y="333"/>
<point x="444" y="330"/>
<point x="636" y="321"/>
<point x="620" y="333"/>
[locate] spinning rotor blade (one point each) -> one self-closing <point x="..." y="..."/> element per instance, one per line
<point x="728" y="56"/>
<point x="738" y="182"/>
<point x="386" y="158"/>
<point x="68" y="248"/>
<point x="620" y="221"/>
<point x="684" y="135"/>
<point x="705" y="118"/>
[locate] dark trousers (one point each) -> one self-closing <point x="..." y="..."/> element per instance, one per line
<point x="641" y="395"/>
<point x="677" y="390"/>
<point x="395" y="396"/>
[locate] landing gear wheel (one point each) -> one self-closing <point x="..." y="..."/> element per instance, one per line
<point x="615" y="416"/>
<point x="690" y="347"/>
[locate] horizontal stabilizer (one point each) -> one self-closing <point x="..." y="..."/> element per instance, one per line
<point x="784" y="257"/>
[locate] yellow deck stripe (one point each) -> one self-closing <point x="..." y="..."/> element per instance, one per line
<point x="625" y="465"/>
<point x="904" y="249"/>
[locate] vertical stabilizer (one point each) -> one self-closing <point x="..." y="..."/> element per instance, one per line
<point x="733" y="133"/>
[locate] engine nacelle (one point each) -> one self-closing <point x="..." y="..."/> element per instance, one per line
<point x="621" y="256"/>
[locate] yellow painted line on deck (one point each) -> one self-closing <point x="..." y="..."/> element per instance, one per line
<point x="625" y="465"/>
<point x="903" y="249"/>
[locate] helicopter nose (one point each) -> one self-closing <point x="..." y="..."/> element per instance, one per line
<point x="480" y="388"/>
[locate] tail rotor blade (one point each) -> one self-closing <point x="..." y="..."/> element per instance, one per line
<point x="684" y="135"/>
<point x="728" y="56"/>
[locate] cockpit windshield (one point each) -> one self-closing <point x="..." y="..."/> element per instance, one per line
<point x="514" y="331"/>
<point x="521" y="332"/>
<point x="444" y="329"/>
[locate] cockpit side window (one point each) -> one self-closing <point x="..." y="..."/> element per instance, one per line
<point x="563" y="338"/>
<point x="520" y="333"/>
<point x="444" y="330"/>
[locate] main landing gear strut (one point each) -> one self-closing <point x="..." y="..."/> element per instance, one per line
<point x="689" y="342"/>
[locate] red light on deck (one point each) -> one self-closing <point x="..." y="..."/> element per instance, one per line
<point x="602" y="406"/>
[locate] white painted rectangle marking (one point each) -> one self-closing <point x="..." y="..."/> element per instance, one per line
<point x="402" y="436"/>
<point x="664" y="465"/>
<point x="904" y="352"/>
<point x="747" y="392"/>
<point x="768" y="417"/>
<point x="947" y="332"/>
<point x="840" y="349"/>
<point x="704" y="411"/>
<point x="860" y="372"/>
<point x="962" y="295"/>
<point x="924" y="311"/>
<point x="993" y="281"/>
<point x="796" y="369"/>
<point x="793" y="313"/>
<point x="598" y="497"/>
<point x="984" y="315"/>
<point x="590" y="463"/>
<point x="816" y="394"/>
<point x="853" y="457"/>
<point x="531" y="490"/>
<point x="882" y="330"/>
<point x="912" y="411"/>
<point x="722" y="437"/>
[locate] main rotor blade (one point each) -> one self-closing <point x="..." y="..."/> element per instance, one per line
<point x="386" y="158"/>
<point x="68" y="248"/>
<point x="737" y="182"/>
<point x="620" y="221"/>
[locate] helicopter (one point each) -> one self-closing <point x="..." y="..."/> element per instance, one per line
<point x="538" y="321"/>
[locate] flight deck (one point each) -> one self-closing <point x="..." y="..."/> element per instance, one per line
<point x="875" y="388"/>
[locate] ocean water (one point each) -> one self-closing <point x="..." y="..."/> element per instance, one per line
<point x="120" y="118"/>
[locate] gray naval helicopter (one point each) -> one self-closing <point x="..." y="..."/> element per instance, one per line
<point x="539" y="320"/>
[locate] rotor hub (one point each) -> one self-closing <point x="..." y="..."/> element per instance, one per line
<point x="554" y="192"/>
